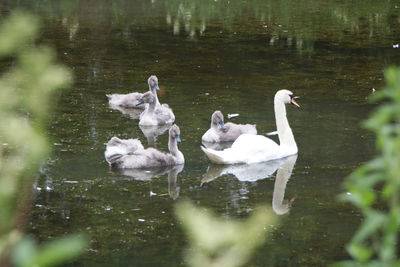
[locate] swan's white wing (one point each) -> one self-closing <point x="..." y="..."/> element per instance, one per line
<point x="248" y="148"/>
<point x="255" y="148"/>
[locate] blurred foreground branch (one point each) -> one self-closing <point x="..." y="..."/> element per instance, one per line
<point x="375" y="187"/>
<point x="221" y="242"/>
<point x="25" y="99"/>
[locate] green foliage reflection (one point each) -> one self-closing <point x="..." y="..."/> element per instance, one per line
<point x="298" y="23"/>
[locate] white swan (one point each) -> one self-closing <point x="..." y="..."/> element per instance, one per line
<point x="130" y="100"/>
<point x="154" y="115"/>
<point x="229" y="132"/>
<point x="250" y="148"/>
<point x="151" y="157"/>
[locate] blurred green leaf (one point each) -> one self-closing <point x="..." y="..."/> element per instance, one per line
<point x="17" y="32"/>
<point x="24" y="251"/>
<point x="378" y="233"/>
<point x="25" y="100"/>
<point x="52" y="253"/>
<point x="58" y="251"/>
<point x="371" y="225"/>
<point x="222" y="242"/>
<point x="359" y="252"/>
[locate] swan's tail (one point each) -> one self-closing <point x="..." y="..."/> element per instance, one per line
<point x="109" y="96"/>
<point x="213" y="155"/>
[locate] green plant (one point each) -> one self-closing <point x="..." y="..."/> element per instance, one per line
<point x="375" y="187"/>
<point x="218" y="242"/>
<point x="25" y="99"/>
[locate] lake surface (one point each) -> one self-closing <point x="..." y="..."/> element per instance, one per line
<point x="209" y="55"/>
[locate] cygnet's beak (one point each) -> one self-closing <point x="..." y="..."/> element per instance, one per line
<point x="293" y="101"/>
<point x="156" y="86"/>
<point x="178" y="138"/>
<point x="221" y="123"/>
<point x="141" y="101"/>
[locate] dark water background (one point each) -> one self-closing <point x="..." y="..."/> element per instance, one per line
<point x="208" y="55"/>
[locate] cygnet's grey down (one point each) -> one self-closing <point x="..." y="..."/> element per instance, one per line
<point x="153" y="114"/>
<point x="151" y="157"/>
<point x="229" y="132"/>
<point x="130" y="100"/>
<point x="118" y="146"/>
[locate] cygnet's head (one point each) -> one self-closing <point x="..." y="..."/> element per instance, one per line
<point x="114" y="141"/>
<point x="174" y="133"/>
<point x="286" y="97"/>
<point x="153" y="82"/>
<point x="218" y="118"/>
<point x="147" y="97"/>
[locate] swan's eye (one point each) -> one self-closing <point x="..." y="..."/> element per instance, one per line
<point x="291" y="96"/>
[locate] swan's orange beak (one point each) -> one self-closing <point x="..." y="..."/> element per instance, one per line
<point x="293" y="102"/>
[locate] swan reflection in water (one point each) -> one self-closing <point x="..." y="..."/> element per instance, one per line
<point x="151" y="173"/>
<point x="257" y="171"/>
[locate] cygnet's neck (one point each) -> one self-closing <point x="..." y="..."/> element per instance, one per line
<point x="286" y="138"/>
<point x="214" y="126"/>
<point x="151" y="107"/>
<point x="173" y="146"/>
<point x="154" y="91"/>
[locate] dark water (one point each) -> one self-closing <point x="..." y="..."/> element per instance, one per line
<point x="232" y="56"/>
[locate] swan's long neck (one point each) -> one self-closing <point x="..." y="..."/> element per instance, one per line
<point x="154" y="91"/>
<point x="286" y="138"/>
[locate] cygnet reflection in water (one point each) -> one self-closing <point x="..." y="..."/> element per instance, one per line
<point x="152" y="132"/>
<point x="258" y="171"/>
<point x="150" y="174"/>
<point x="133" y="113"/>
